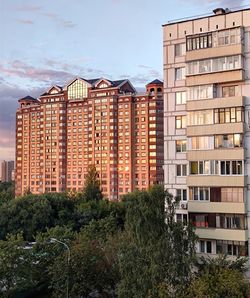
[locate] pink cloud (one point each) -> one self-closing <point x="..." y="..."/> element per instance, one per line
<point x="28" y="7"/>
<point x="56" y="18"/>
<point x="26" y="22"/>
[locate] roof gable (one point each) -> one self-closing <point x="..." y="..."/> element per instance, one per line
<point x="125" y="85"/>
<point x="75" y="79"/>
<point x="54" y="89"/>
<point x="103" y="83"/>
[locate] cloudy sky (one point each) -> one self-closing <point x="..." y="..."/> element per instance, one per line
<point x="52" y="41"/>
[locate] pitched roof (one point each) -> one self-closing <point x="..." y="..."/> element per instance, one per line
<point x="92" y="81"/>
<point x="118" y="82"/>
<point x="155" y="82"/>
<point x="29" y="98"/>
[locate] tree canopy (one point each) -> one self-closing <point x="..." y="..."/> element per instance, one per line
<point x="132" y="248"/>
<point x="92" y="189"/>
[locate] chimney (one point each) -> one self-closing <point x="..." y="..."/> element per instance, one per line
<point x="218" y="11"/>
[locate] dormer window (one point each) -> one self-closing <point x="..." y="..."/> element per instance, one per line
<point x="103" y="85"/>
<point x="53" y="91"/>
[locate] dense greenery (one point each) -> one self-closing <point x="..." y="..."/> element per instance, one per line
<point x="7" y="191"/>
<point x="156" y="249"/>
<point x="132" y="248"/>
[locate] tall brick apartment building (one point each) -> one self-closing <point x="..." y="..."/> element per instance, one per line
<point x="101" y="122"/>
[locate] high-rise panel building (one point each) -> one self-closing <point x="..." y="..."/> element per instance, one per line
<point x="101" y="122"/>
<point x="7" y="168"/>
<point x="207" y="127"/>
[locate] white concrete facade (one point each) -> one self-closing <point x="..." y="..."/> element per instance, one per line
<point x="207" y="127"/>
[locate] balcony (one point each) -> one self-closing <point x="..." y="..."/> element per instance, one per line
<point x="223" y="102"/>
<point x="222" y="234"/>
<point x="216" y="180"/>
<point x="225" y="128"/>
<point x="216" y="207"/>
<point x="215" y="52"/>
<point x="215" y="77"/>
<point x="216" y="154"/>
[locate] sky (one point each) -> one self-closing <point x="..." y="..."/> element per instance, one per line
<point x="52" y="41"/>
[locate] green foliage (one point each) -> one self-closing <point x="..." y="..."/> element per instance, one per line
<point x="92" y="190"/>
<point x="89" y="271"/>
<point x="7" y="192"/>
<point x="155" y="249"/>
<point x="24" y="266"/>
<point x="101" y="229"/>
<point x="132" y="248"/>
<point x="222" y="261"/>
<point x="219" y="277"/>
<point x="5" y="186"/>
<point x="32" y="214"/>
<point x="13" y="262"/>
<point x="221" y="282"/>
<point x="26" y="215"/>
<point x="96" y="210"/>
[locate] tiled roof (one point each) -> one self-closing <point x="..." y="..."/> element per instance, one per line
<point x="28" y="98"/>
<point x="155" y="82"/>
<point x="117" y="83"/>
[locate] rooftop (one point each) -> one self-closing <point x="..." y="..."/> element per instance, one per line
<point x="212" y="14"/>
<point x="155" y="82"/>
<point x="28" y="98"/>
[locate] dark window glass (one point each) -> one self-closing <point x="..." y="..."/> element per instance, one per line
<point x="209" y="247"/>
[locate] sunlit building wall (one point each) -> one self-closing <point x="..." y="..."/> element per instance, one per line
<point x="101" y="122"/>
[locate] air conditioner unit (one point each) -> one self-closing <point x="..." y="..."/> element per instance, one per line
<point x="183" y="205"/>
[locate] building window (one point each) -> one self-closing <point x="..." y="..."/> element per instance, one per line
<point x="181" y="170"/>
<point x="214" y="65"/>
<point x="203" y="220"/>
<point x="229" y="36"/>
<point x="200" y="92"/>
<point x="179" y="49"/>
<point x="231" y="167"/>
<point x="180" y="97"/>
<point x="182" y="218"/>
<point x="77" y="90"/>
<point x="205" y="246"/>
<point x="214" y="39"/>
<point x="228" y="91"/>
<point x="201" y="143"/>
<point x="180" y="121"/>
<point x="216" y="167"/>
<point x="199" y="193"/>
<point x="179" y="73"/>
<point x="233" y="248"/>
<point x="181" y="145"/>
<point x="231" y="221"/>
<point x="231" y="194"/>
<point x="201" y="41"/>
<point x="228" y="115"/>
<point x="228" y="141"/>
<point x="202" y="117"/>
<point x="200" y="167"/>
<point x="181" y="194"/>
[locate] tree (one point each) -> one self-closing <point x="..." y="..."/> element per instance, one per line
<point x="221" y="282"/>
<point x="222" y="261"/>
<point x="219" y="277"/>
<point x="90" y="271"/>
<point x="26" y="215"/>
<point x="25" y="266"/>
<point x="156" y="252"/>
<point x="13" y="262"/>
<point x="7" y="192"/>
<point x="92" y="190"/>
